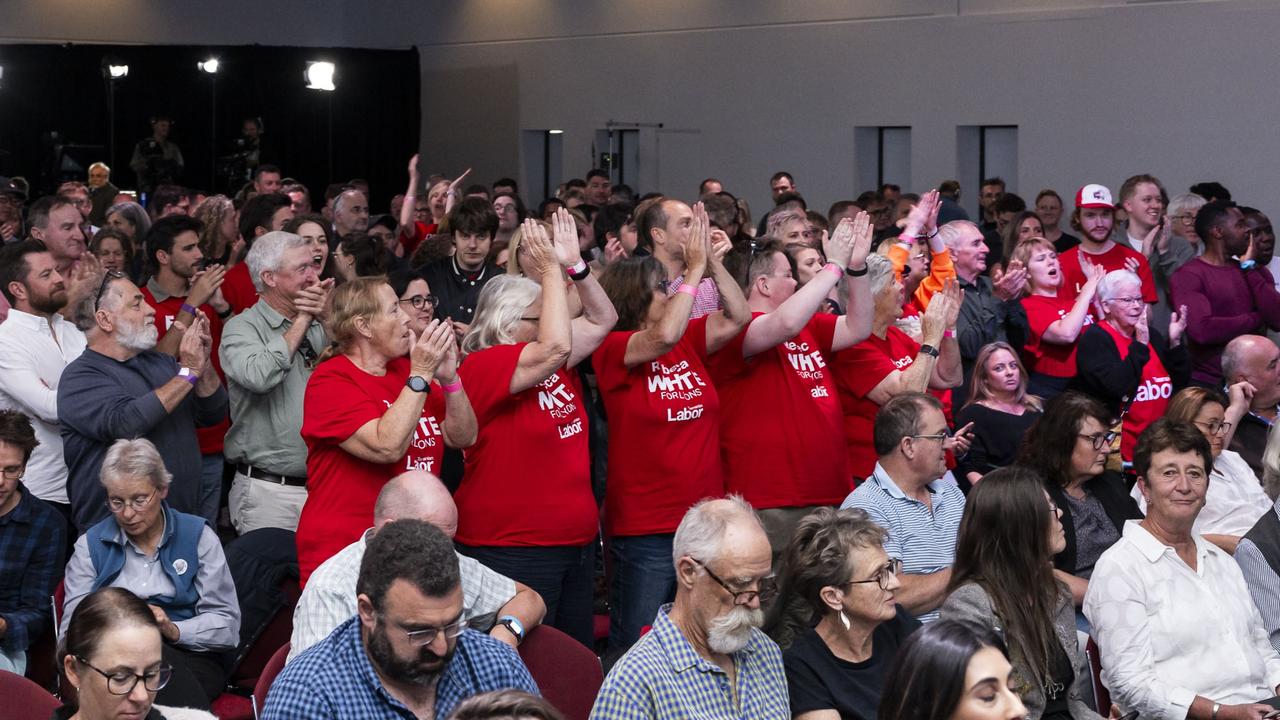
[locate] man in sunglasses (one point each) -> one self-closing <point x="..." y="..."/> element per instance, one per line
<point x="268" y="352"/>
<point x="408" y="651"/>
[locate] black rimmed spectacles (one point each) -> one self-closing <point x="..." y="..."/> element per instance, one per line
<point x="1100" y="440"/>
<point x="889" y="570"/>
<point x="766" y="588"/>
<point x="420" y="301"/>
<point x="122" y="682"/>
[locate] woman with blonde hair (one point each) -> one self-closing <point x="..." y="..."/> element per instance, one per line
<point x="220" y="240"/>
<point x="1054" y="323"/>
<point x="1000" y="410"/>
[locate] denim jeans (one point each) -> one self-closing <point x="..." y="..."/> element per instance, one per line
<point x="563" y="575"/>
<point x="643" y="579"/>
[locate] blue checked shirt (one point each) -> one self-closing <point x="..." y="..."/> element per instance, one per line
<point x="33" y="541"/>
<point x="662" y="676"/>
<point x="335" y="679"/>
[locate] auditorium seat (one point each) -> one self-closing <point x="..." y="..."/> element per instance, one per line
<point x="1101" y="696"/>
<point x="25" y="699"/>
<point x="568" y="674"/>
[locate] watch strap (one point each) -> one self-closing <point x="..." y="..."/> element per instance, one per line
<point x="512" y="623"/>
<point x="929" y="350"/>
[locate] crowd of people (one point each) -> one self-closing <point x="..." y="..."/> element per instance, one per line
<point x="884" y="462"/>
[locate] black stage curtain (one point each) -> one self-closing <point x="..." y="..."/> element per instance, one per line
<point x="372" y="118"/>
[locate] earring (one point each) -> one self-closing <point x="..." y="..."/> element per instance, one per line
<point x="844" y="620"/>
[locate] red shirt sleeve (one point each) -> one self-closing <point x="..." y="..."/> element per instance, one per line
<point x="335" y="406"/>
<point x="865" y="365"/>
<point x="487" y="375"/>
<point x="823" y="327"/>
<point x="1148" y="280"/>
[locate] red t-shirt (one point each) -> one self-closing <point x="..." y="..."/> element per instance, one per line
<point x="211" y="438"/>
<point x="664" y="433"/>
<point x="342" y="488"/>
<point x="858" y="371"/>
<point x="1114" y="259"/>
<point x="780" y="437"/>
<point x="528" y="476"/>
<point x="1149" y="400"/>
<point x="238" y="289"/>
<point x="420" y="233"/>
<point x="1046" y="358"/>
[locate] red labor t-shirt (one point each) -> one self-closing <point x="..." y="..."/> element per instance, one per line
<point x="1114" y="259"/>
<point x="780" y="437"/>
<point x="1148" y="401"/>
<point x="342" y="488"/>
<point x="238" y="289"/>
<point x="1047" y="358"/>
<point x="528" y="477"/>
<point x="210" y="438"/>
<point x="664" y="433"/>
<point x="858" y="371"/>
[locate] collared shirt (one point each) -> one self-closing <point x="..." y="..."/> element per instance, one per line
<point x="33" y="355"/>
<point x="1233" y="502"/>
<point x="216" y="624"/>
<point x="330" y="595"/>
<point x="662" y="676"/>
<point x="32" y="539"/>
<point x="335" y="679"/>
<point x="457" y="289"/>
<point x="923" y="538"/>
<point x="266" y="385"/>
<point x="1264" y="584"/>
<point x="1169" y="633"/>
<point x="706" y="299"/>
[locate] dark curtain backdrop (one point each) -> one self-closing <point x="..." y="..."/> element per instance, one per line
<point x="60" y="88"/>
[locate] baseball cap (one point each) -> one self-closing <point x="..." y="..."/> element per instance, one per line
<point x="1094" y="196"/>
<point x="9" y="187"/>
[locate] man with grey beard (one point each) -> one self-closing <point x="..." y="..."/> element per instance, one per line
<point x="706" y="655"/>
<point x="121" y="387"/>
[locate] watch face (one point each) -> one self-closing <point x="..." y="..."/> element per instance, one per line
<point x="417" y="383"/>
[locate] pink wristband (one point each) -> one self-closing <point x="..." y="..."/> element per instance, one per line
<point x="834" y="268"/>
<point x="689" y="290"/>
<point x="949" y="333"/>
<point x="452" y="387"/>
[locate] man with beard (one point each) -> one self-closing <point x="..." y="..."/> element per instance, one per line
<point x="121" y="387"/>
<point x="1094" y="218"/>
<point x="706" y="656"/>
<point x="408" y="651"/>
<point x="36" y="345"/>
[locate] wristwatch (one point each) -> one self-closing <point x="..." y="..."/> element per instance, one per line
<point x="417" y="383"/>
<point x="514" y="625"/>
<point x="929" y="350"/>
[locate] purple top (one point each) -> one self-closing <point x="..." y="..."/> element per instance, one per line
<point x="1223" y="302"/>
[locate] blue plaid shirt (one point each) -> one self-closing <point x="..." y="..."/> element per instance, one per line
<point x="33" y="540"/>
<point x="335" y="679"/>
<point x="662" y="676"/>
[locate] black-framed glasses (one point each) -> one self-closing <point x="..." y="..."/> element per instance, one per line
<point x="122" y="682"/>
<point x="1215" y="427"/>
<point x="107" y="278"/>
<point x="117" y="505"/>
<point x="420" y="638"/>
<point x="888" y="571"/>
<point x="1100" y="440"/>
<point x="940" y="437"/>
<point x="420" y="301"/>
<point x="766" y="588"/>
<point x="13" y="472"/>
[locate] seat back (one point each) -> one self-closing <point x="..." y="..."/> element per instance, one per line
<point x="25" y="699"/>
<point x="268" y="676"/>
<point x="1101" y="696"/>
<point x="568" y="674"/>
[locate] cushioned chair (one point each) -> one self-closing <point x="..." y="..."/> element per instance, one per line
<point x="268" y="676"/>
<point x="25" y="699"/>
<point x="1101" y="696"/>
<point x="568" y="674"/>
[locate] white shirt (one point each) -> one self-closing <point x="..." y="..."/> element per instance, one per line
<point x="31" y="364"/>
<point x="1168" y="633"/>
<point x="1232" y="504"/>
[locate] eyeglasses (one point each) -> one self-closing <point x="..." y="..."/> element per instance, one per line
<point x="1100" y="440"/>
<point x="117" y="505"/>
<point x="504" y="209"/>
<point x="766" y="588"/>
<point x="1215" y="427"/>
<point x="942" y="436"/>
<point x="419" y="638"/>
<point x="1127" y="300"/>
<point x="531" y="319"/>
<point x="107" y="278"/>
<point x="1053" y="508"/>
<point x="1188" y="218"/>
<point x="123" y="682"/>
<point x="420" y="301"/>
<point x="13" y="472"/>
<point x="886" y="572"/>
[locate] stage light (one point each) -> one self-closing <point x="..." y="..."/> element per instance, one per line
<point x="319" y="75"/>
<point x="555" y="132"/>
<point x="114" y="68"/>
<point x="210" y="66"/>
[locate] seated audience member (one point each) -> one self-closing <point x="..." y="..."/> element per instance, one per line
<point x="1258" y="555"/>
<point x="491" y="603"/>
<point x="1094" y="218"/>
<point x="1235" y="500"/>
<point x="1049" y="209"/>
<point x="370" y="412"/>
<point x="999" y="413"/>
<point x="113" y="250"/>
<point x="408" y="651"/>
<point x="170" y="559"/>
<point x="889" y="363"/>
<point x="722" y="560"/>
<point x="458" y="280"/>
<point x="1127" y="366"/>
<point x="952" y="671"/>
<point x="664" y="420"/>
<point x="34" y="538"/>
<point x="1227" y="294"/>
<point x="521" y="354"/>
<point x="1171" y="613"/>
<point x="1255" y="360"/>
<point x="836" y="569"/>
<point x="132" y="220"/>
<point x="1003" y="580"/>
<point x="907" y="495"/>
<point x="121" y="387"/>
<point x="112" y="660"/>
<point x="791" y="459"/>
<point x="505" y="705"/>
<point x="1054" y="323"/>
<point x="1068" y="446"/>
<point x="268" y="353"/>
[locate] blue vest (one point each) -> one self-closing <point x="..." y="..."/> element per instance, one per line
<point x="180" y="545"/>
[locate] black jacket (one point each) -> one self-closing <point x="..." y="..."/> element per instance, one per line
<point x="1109" y="488"/>
<point x="1102" y="373"/>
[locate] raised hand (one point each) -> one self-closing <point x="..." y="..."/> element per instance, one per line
<point x="697" y="249"/>
<point x="1009" y="283"/>
<point x="721" y="244"/>
<point x="413" y="169"/>
<point x="1157" y="239"/>
<point x="83" y="278"/>
<point x="313" y="300"/>
<point x="955" y="297"/>
<point x="204" y="283"/>
<point x="457" y="182"/>
<point x="538" y="248"/>
<point x="923" y="218"/>
<point x="1131" y="264"/>
<point x="429" y="349"/>
<point x="565" y="236"/>
<point x="838" y="246"/>
<point x="447" y="370"/>
<point x="191" y="351"/>
<point x="1177" y="325"/>
<point x="1241" y="394"/>
<point x="1141" y="333"/>
<point x="613" y="250"/>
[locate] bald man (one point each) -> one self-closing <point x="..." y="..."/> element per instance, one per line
<point x="491" y="602"/>
<point x="1255" y="360"/>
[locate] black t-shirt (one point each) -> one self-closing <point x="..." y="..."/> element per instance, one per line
<point x="818" y="680"/>
<point x="1063" y="675"/>
<point x="1065" y="242"/>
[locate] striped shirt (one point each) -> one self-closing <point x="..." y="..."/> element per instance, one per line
<point x="923" y="539"/>
<point x="1264" y="584"/>
<point x="662" y="676"/>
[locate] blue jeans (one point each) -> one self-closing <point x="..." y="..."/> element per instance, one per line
<point x="210" y="487"/>
<point x="643" y="579"/>
<point x="563" y="575"/>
